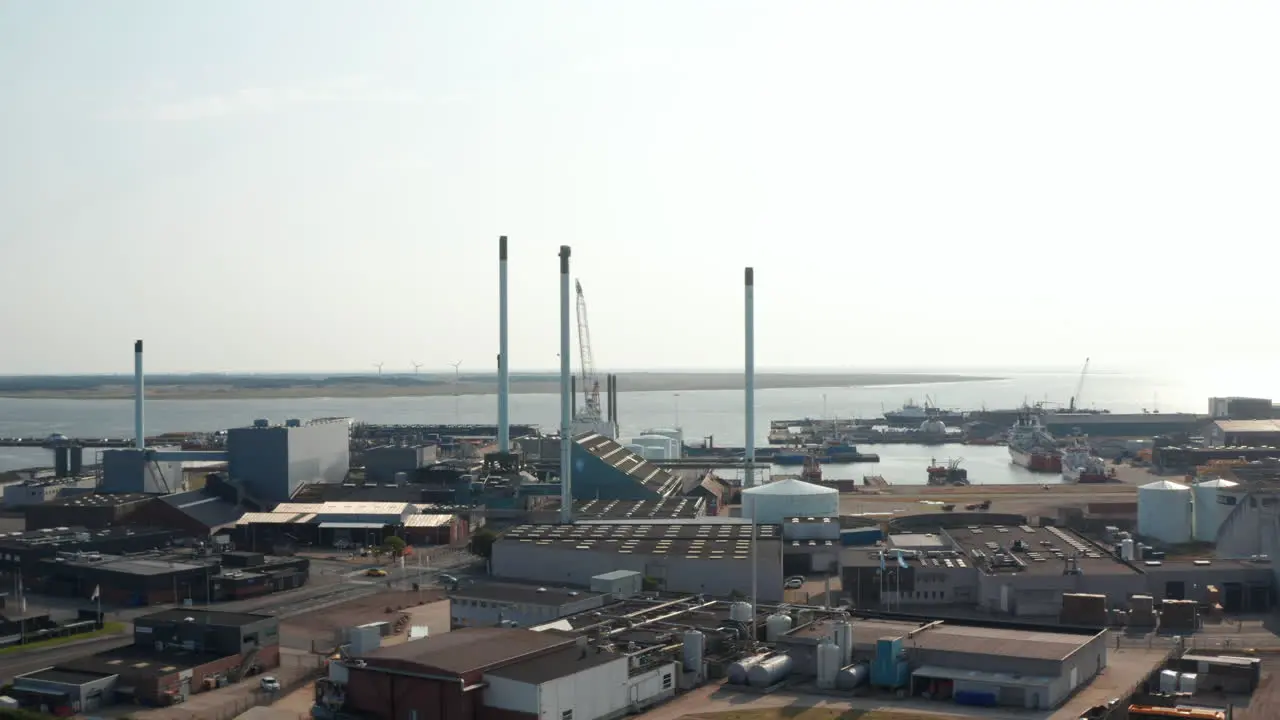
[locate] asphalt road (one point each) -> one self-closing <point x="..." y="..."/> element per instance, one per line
<point x="31" y="660"/>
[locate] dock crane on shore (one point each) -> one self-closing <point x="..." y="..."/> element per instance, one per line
<point x="1079" y="386"/>
<point x="590" y="382"/>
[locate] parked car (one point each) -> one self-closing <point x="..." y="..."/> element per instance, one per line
<point x="269" y="683"/>
<point x="795" y="582"/>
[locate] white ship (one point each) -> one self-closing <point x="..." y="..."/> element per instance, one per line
<point x="1080" y="465"/>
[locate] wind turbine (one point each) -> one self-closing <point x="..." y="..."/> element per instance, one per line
<point x="379" y="366"/>
<point x="457" y="378"/>
<point x="415" y="365"/>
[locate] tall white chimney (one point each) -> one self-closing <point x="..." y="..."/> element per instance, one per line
<point x="504" y="364"/>
<point x="139" y="391"/>
<point x="566" y="396"/>
<point x="750" y="455"/>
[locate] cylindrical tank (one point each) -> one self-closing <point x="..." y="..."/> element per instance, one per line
<point x="770" y="671"/>
<point x="854" y="676"/>
<point x="1214" y="501"/>
<point x="740" y="612"/>
<point x="694" y="642"/>
<point x="775" y="626"/>
<point x="738" y="670"/>
<point x="637" y="449"/>
<point x="844" y="640"/>
<point x="774" y="501"/>
<point x="1126" y="550"/>
<point x="828" y="663"/>
<point x="1164" y="511"/>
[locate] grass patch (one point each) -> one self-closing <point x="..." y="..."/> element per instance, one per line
<point x="111" y="628"/>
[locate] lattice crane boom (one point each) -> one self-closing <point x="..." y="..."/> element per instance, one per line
<point x="590" y="383"/>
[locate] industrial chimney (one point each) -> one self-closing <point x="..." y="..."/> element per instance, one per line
<point x="504" y="363"/>
<point x="139" y="390"/>
<point x="750" y="455"/>
<point x="566" y="395"/>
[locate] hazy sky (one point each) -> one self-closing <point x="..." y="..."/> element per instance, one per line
<point x="316" y="185"/>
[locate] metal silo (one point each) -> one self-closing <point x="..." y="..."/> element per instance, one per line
<point x="1213" y="502"/>
<point x="1164" y="511"/>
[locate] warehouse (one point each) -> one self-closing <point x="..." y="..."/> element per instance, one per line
<point x="94" y="511"/>
<point x="25" y="550"/>
<point x="175" y="653"/>
<point x="697" y="556"/>
<point x="498" y="674"/>
<point x="328" y="524"/>
<point x="434" y="529"/>
<point x="488" y="604"/>
<point x="198" y="513"/>
<point x="36" y="492"/>
<point x="382" y="464"/>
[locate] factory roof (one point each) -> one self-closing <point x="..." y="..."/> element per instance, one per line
<point x="64" y="677"/>
<point x="131" y="565"/>
<point x="711" y="540"/>
<point x="919" y="540"/>
<point x="609" y="451"/>
<point x="337" y="507"/>
<point x="810" y="521"/>
<point x="925" y="559"/>
<point x="99" y="500"/>
<point x="469" y="649"/>
<point x="204" y="617"/>
<point x="134" y="661"/>
<point x="1026" y="644"/>
<point x="428" y="520"/>
<point x="865" y="631"/>
<point x="553" y="666"/>
<point x="1248" y="426"/>
<point x="205" y="508"/>
<point x="60" y="536"/>
<point x="1042" y="551"/>
<point x="666" y="508"/>
<point x="524" y="594"/>
<point x="272" y="518"/>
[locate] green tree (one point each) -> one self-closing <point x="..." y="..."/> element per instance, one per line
<point x="482" y="542"/>
<point x="393" y="546"/>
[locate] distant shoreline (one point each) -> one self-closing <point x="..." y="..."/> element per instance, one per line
<point x="112" y="389"/>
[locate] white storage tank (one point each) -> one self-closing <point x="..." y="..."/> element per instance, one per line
<point x="740" y="612"/>
<point x="637" y="449"/>
<point x="1214" y="501"/>
<point x="694" y="642"/>
<point x="844" y="641"/>
<point x="1126" y="550"/>
<point x="770" y="671"/>
<point x="674" y="433"/>
<point x="1164" y="511"/>
<point x="789" y="498"/>
<point x="828" y="663"/>
<point x="775" y="626"/>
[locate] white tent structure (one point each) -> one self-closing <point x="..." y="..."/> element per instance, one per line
<point x="774" y="501"/>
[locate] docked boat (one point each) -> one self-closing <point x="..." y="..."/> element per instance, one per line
<point x="812" y="471"/>
<point x="1032" y="447"/>
<point x="791" y="458"/>
<point x="1080" y="465"/>
<point x="912" y="415"/>
<point x="949" y="474"/>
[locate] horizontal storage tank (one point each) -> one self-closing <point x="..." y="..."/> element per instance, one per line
<point x="774" y="501"/>
<point x="1164" y="511"/>
<point x="1214" y="500"/>
<point x="853" y="677"/>
<point x="738" y="669"/>
<point x="769" y="672"/>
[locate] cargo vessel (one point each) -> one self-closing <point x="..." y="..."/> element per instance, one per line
<point x="911" y="415"/>
<point x="1031" y="446"/>
<point x="949" y="474"/>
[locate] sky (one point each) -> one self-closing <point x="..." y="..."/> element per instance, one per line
<point x="314" y="185"/>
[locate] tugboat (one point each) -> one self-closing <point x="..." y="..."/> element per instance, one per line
<point x="1080" y="465"/>
<point x="949" y="474"/>
<point x="812" y="471"/>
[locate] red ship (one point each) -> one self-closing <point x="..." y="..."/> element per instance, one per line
<point x="1032" y="447"/>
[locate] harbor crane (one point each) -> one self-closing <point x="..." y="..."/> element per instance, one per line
<point x="1075" y="399"/>
<point x="590" y="382"/>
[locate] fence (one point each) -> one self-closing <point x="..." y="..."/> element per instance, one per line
<point x="294" y="673"/>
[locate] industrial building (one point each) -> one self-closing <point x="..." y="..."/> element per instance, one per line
<point x="131" y="470"/>
<point x="347" y="524"/>
<point x="1023" y="571"/>
<point x="495" y="674"/>
<point x="1241" y="408"/>
<point x="23" y="551"/>
<point x="93" y="510"/>
<point x="197" y="513"/>
<point x="775" y="501"/>
<point x="38" y="491"/>
<point x="1243" y="433"/>
<point x="382" y="464"/>
<point x="604" y="469"/>
<point x="672" y="508"/>
<point x="273" y="461"/>
<point x="175" y="653"/>
<point x="697" y="556"/>
<point x="489" y="604"/>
